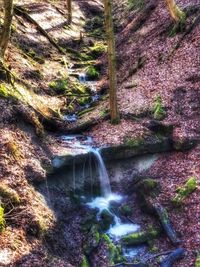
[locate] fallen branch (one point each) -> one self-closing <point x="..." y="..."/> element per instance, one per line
<point x="21" y="11"/>
<point x="173" y="257"/>
<point x="159" y="254"/>
<point x="166" y="224"/>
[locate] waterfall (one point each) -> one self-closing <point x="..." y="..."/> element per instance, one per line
<point x="103" y="174"/>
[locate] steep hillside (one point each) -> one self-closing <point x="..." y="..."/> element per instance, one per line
<point x="41" y="91"/>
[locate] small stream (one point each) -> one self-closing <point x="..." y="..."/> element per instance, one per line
<point x="107" y="199"/>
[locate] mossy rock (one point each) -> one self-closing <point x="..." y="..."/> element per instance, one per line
<point x="85" y="262"/>
<point x="125" y="210"/>
<point x="92" y="73"/>
<point x="8" y="195"/>
<point x="142" y="237"/>
<point x="2" y="220"/>
<point x="184" y="144"/>
<point x="92" y="240"/>
<point x="59" y="85"/>
<point x="148" y="186"/>
<point x="115" y="253"/>
<point x="184" y="191"/>
<point x="97" y="50"/>
<point x="133" y="142"/>
<point x="107" y="219"/>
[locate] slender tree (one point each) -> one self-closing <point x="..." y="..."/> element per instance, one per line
<point x="69" y="10"/>
<point x="176" y="13"/>
<point x="8" y="14"/>
<point x="114" y="114"/>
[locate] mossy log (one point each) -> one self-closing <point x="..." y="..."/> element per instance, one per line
<point x="184" y="191"/>
<point x="176" y="255"/>
<point x="139" y="238"/>
<point x="166" y="224"/>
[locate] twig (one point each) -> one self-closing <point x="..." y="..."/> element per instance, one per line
<point x="159" y="254"/>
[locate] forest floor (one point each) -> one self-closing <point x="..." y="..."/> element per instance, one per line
<point x="148" y="68"/>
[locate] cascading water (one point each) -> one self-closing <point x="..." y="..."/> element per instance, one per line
<point x="103" y="174"/>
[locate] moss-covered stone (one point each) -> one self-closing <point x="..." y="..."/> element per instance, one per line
<point x="85" y="262"/>
<point x="97" y="50"/>
<point x="184" y="191"/>
<point x="92" y="73"/>
<point x="148" y="186"/>
<point x="115" y="253"/>
<point x="134" y="142"/>
<point x="59" y="85"/>
<point x="139" y="238"/>
<point x="8" y="195"/>
<point x="107" y="219"/>
<point x="125" y="210"/>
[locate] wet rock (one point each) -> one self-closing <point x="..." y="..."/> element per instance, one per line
<point x="125" y="210"/>
<point x="159" y="127"/>
<point x="184" y="144"/>
<point x="107" y="219"/>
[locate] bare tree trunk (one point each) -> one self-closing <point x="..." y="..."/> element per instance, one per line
<point x="176" y="13"/>
<point x="114" y="114"/>
<point x="69" y="11"/>
<point x="8" y="10"/>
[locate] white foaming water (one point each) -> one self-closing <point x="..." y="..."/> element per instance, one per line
<point x="103" y="203"/>
<point x="122" y="229"/>
<point x="103" y="174"/>
<point x="82" y="77"/>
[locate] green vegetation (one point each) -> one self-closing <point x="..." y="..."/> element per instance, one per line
<point x="3" y="91"/>
<point x="85" y="262"/>
<point x="159" y="112"/>
<point x="135" y="142"/>
<point x="92" y="240"/>
<point x="2" y="220"/>
<point x="197" y="263"/>
<point x="59" y="86"/>
<point x="95" y="27"/>
<point x="8" y="195"/>
<point x="139" y="238"/>
<point x="115" y="254"/>
<point x="136" y="4"/>
<point x="184" y="191"/>
<point x="92" y="73"/>
<point x="148" y="186"/>
<point x="97" y="50"/>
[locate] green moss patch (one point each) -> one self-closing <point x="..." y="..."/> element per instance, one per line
<point x="139" y="238"/>
<point x="92" y="73"/>
<point x="2" y="220"/>
<point x="3" y="91"/>
<point x="197" y="262"/>
<point x="159" y="112"/>
<point x="59" y="86"/>
<point x="115" y="253"/>
<point x="184" y="191"/>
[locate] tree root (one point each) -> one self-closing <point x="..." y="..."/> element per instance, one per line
<point x="21" y="11"/>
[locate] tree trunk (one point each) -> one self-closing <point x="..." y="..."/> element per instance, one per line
<point x="111" y="61"/>
<point x="69" y="11"/>
<point x="8" y="10"/>
<point x="176" y="13"/>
